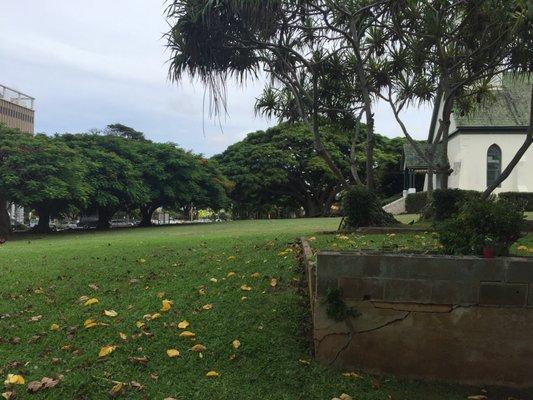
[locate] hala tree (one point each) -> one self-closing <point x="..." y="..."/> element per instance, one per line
<point x="41" y="173"/>
<point x="448" y="51"/>
<point x="286" y="39"/>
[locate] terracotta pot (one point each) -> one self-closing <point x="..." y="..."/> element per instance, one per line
<point x="488" y="252"/>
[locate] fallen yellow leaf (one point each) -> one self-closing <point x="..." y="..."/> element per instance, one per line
<point x="166" y="305"/>
<point x="183" y="324"/>
<point x="54" y="327"/>
<point x="139" y="324"/>
<point x="13" y="379"/>
<point x="197" y="348"/>
<point x="246" y="288"/>
<point x="173" y="353"/>
<point x="212" y="374"/>
<point x="187" y="334"/>
<point x="207" y="306"/>
<point x="230" y="258"/>
<point x="141" y="260"/>
<point x="273" y="282"/>
<point x="106" y="350"/>
<point x="117" y="389"/>
<point x="214" y="280"/>
<point x="231" y="274"/>
<point x="110" y="313"/>
<point x="122" y="336"/>
<point x="90" y="302"/>
<point x="160" y="294"/>
<point x="236" y="344"/>
<point x="154" y="316"/>
<point x="352" y="375"/>
<point x="201" y="292"/>
<point x="89" y="323"/>
<point x="255" y="275"/>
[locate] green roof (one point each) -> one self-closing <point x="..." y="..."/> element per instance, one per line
<point x="509" y="106"/>
<point x="413" y="160"/>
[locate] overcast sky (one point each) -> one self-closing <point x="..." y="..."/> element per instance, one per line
<point x="93" y="63"/>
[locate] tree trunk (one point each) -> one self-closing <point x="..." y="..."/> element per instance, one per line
<point x="104" y="218"/>
<point x="146" y="215"/>
<point x="370" y="142"/>
<point x="367" y="106"/>
<point x="517" y="157"/>
<point x="5" y="225"/>
<point x="312" y="209"/>
<point x="44" y="221"/>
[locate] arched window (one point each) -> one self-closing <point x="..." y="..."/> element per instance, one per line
<point x="494" y="163"/>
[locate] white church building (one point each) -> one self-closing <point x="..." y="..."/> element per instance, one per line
<point x="482" y="143"/>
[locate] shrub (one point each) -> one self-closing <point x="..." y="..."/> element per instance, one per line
<point x="447" y="202"/>
<point x="523" y="199"/>
<point x="361" y="207"/>
<point x="415" y="202"/>
<point x="481" y="223"/>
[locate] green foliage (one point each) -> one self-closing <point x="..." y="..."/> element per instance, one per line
<point x="94" y="173"/>
<point x="447" y="202"/>
<point x="481" y="223"/>
<point x="362" y="207"/>
<point x="41" y="173"/>
<point x="416" y="202"/>
<point x="336" y="308"/>
<point x="524" y="200"/>
<point x="279" y="169"/>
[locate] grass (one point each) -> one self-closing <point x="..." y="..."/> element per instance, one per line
<point x="127" y="269"/>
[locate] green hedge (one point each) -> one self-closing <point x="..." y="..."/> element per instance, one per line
<point x="415" y="202"/>
<point x="479" y="224"/>
<point x="523" y="199"/>
<point x="445" y="202"/>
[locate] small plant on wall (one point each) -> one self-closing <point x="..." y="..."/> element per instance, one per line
<point x="482" y="227"/>
<point x="336" y="308"/>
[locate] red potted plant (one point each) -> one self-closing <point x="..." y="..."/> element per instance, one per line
<point x="488" y="248"/>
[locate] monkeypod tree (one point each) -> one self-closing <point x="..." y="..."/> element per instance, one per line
<point x="167" y="172"/>
<point x="115" y="183"/>
<point x="278" y="169"/>
<point x="41" y="173"/>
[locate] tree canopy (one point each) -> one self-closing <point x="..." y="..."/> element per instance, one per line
<point x="277" y="170"/>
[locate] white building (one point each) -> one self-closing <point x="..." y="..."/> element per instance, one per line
<point x="482" y="143"/>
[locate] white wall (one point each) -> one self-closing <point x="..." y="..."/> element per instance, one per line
<point x="468" y="158"/>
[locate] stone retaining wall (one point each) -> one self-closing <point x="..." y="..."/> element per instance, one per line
<point x="462" y="319"/>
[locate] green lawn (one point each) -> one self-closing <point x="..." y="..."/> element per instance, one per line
<point x="128" y="271"/>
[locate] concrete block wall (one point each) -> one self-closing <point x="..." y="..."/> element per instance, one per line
<point x="460" y="319"/>
<point x="427" y="279"/>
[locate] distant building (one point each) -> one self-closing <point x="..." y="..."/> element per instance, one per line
<point x="16" y="109"/>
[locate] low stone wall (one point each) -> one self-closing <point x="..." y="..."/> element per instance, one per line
<point x="461" y="319"/>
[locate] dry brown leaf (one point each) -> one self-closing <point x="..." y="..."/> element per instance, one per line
<point x="198" y="348"/>
<point x="139" y="360"/>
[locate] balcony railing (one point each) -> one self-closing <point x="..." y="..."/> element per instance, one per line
<point x="16" y="97"/>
